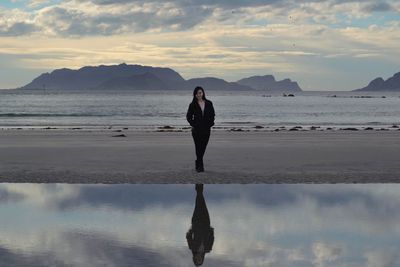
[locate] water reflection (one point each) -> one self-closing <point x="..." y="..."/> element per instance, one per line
<point x="200" y="237"/>
<point x="145" y="225"/>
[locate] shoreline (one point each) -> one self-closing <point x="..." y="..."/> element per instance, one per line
<point x="234" y="128"/>
<point x="314" y="156"/>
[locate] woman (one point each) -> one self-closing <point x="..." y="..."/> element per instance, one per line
<point x="200" y="116"/>
<point x="200" y="237"/>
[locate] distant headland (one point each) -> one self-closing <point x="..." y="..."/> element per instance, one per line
<point x="380" y="85"/>
<point x="138" y="77"/>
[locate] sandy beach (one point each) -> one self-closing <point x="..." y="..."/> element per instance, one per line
<point x="95" y="156"/>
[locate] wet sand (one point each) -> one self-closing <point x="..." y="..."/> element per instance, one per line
<point x="83" y="156"/>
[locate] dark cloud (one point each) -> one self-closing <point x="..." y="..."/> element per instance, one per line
<point x="130" y="197"/>
<point x="17" y="29"/>
<point x="72" y="22"/>
<point x="10" y="258"/>
<point x="6" y="196"/>
<point x="378" y="7"/>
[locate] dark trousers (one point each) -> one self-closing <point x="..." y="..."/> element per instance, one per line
<point x="200" y="138"/>
<point x="200" y="218"/>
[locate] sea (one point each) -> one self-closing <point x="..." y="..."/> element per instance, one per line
<point x="240" y="109"/>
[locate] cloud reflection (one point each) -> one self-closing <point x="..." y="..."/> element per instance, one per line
<point x="6" y="196"/>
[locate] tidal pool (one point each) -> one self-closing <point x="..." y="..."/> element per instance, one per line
<point x="215" y="225"/>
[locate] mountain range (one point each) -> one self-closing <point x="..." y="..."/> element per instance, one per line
<point x="138" y="77"/>
<point x="379" y="84"/>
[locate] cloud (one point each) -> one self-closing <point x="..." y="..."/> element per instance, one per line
<point x="380" y="258"/>
<point x="80" y="248"/>
<point x="37" y="3"/>
<point x="78" y="19"/>
<point x="220" y="3"/>
<point x="17" y="29"/>
<point x="40" y="194"/>
<point x="107" y="17"/>
<point x="16" y="23"/>
<point x="378" y="7"/>
<point x="86" y="19"/>
<point x="325" y="253"/>
<point x="7" y="196"/>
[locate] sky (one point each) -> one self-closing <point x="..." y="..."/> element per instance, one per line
<point x="323" y="45"/>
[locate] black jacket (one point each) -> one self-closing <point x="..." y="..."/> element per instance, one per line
<point x="195" y="117"/>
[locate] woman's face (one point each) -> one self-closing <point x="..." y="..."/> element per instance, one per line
<point x="199" y="94"/>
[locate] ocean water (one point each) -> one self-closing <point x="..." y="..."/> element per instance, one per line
<point x="146" y="225"/>
<point x="38" y="108"/>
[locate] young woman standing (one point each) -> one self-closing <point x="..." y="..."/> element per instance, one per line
<point x="200" y="116"/>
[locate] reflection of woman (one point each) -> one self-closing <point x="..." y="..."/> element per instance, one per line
<point x="200" y="116"/>
<point x="200" y="236"/>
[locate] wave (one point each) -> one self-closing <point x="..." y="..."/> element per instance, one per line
<point x="51" y="115"/>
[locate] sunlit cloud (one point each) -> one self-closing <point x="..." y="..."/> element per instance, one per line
<point x="324" y="253"/>
<point x="37" y="3"/>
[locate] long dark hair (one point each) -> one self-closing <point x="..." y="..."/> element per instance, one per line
<point x="195" y="92"/>
<point x="198" y="261"/>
